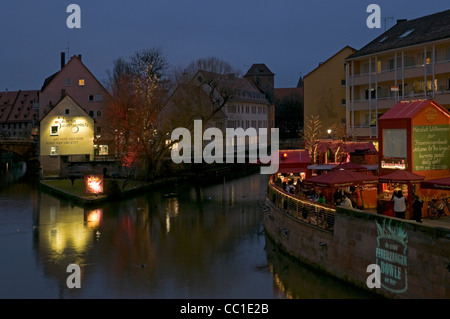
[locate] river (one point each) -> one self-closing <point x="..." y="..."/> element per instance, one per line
<point x="184" y="241"/>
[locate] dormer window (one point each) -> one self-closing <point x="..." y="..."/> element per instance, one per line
<point x="404" y="35"/>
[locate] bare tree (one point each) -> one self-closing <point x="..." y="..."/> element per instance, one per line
<point x="201" y="90"/>
<point x="137" y="97"/>
<point x="311" y="134"/>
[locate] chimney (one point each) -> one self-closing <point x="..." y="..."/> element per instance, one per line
<point x="79" y="57"/>
<point x="63" y="59"/>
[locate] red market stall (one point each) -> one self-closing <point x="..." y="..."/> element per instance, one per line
<point x="399" y="179"/>
<point x="294" y="162"/>
<point x="342" y="179"/>
<point x="414" y="136"/>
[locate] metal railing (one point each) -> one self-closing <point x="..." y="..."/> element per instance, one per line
<point x="317" y="215"/>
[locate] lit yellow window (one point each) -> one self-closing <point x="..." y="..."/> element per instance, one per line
<point x="81" y="82"/>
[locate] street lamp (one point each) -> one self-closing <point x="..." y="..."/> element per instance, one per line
<point x="329" y="133"/>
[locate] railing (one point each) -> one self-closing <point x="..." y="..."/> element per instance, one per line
<point x="305" y="211"/>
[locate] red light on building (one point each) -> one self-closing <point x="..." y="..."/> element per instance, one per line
<point x="284" y="155"/>
<point x="93" y="184"/>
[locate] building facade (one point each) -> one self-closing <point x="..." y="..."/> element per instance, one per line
<point x="66" y="134"/>
<point x="75" y="79"/>
<point x="19" y="112"/>
<point x="409" y="61"/>
<point x="226" y="101"/>
<point x="325" y="94"/>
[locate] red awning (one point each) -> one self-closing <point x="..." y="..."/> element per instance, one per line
<point x="439" y="183"/>
<point x="402" y="177"/>
<point x="340" y="178"/>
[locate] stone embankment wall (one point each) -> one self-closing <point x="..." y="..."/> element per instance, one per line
<point x="413" y="260"/>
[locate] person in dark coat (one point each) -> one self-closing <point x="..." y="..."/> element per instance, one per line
<point x="417" y="209"/>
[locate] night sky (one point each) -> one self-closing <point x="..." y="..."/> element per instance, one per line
<point x="290" y="36"/>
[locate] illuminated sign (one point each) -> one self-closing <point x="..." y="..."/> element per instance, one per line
<point x="431" y="147"/>
<point x="93" y="184"/>
<point x="391" y="256"/>
<point x="390" y="163"/>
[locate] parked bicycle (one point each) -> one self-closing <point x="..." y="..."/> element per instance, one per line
<point x="436" y="208"/>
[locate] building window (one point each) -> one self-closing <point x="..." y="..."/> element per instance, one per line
<point x="68" y="82"/>
<point x="99" y="130"/>
<point x="91" y="98"/>
<point x="54" y="130"/>
<point x="81" y="82"/>
<point x="343" y="102"/>
<point x="404" y="35"/>
<point x="98" y="97"/>
<point x="54" y="150"/>
<point x="103" y="150"/>
<point x="99" y="113"/>
<point x="91" y="114"/>
<point x="342" y="82"/>
<point x="67" y="111"/>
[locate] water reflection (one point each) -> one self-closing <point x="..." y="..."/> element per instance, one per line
<point x="183" y="241"/>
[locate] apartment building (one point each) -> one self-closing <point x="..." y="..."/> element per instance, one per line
<point x="410" y="61"/>
<point x="325" y="94"/>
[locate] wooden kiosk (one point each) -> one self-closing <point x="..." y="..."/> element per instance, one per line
<point x="414" y="136"/>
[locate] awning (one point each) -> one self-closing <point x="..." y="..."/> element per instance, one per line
<point x="438" y="183"/>
<point x="321" y="166"/>
<point x="349" y="166"/>
<point x="401" y="177"/>
<point x="341" y="178"/>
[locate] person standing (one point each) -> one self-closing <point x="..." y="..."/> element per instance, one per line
<point x="399" y="205"/>
<point x="417" y="209"/>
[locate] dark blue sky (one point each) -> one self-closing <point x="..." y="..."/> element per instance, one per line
<point x="290" y="36"/>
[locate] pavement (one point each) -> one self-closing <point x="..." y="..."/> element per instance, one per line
<point x="443" y="222"/>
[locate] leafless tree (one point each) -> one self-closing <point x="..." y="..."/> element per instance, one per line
<point x="311" y="135"/>
<point x="137" y="97"/>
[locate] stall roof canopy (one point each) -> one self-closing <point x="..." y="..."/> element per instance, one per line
<point x="346" y="147"/>
<point x="293" y="161"/>
<point x="350" y="167"/>
<point x="438" y="183"/>
<point x="408" y="109"/>
<point x="340" y="178"/>
<point x="402" y="177"/>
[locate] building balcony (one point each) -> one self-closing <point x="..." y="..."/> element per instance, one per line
<point x="365" y="131"/>
<point x="408" y="72"/>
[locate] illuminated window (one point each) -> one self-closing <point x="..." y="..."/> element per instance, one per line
<point x="103" y="150"/>
<point x="54" y="150"/>
<point x="81" y="82"/>
<point x="54" y="130"/>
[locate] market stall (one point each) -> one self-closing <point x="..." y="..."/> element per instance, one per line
<point x="343" y="180"/>
<point x="398" y="180"/>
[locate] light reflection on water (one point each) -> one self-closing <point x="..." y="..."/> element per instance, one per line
<point x="186" y="241"/>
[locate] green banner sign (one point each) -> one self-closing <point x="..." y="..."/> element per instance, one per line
<point x="431" y="147"/>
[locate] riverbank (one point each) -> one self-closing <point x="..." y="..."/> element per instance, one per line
<point x="119" y="189"/>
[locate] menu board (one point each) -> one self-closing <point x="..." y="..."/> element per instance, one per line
<point x="431" y="147"/>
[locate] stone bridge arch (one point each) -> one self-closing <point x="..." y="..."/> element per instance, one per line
<point x="26" y="149"/>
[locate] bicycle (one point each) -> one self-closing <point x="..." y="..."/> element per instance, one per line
<point x="436" y="209"/>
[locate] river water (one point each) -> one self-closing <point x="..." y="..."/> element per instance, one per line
<point x="186" y="241"/>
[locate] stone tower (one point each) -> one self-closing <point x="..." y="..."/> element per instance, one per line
<point x="263" y="79"/>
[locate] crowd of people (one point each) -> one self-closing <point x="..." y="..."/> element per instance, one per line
<point x="349" y="198"/>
